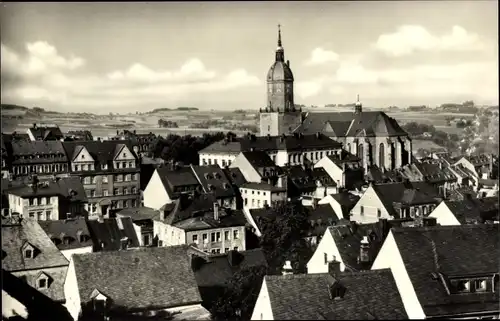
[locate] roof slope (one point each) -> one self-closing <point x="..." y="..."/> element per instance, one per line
<point x="158" y="277"/>
<point x="14" y="237"/>
<point x="369" y="295"/>
<point x="213" y="180"/>
<point x="453" y="251"/>
<point x="70" y="188"/>
<point x="110" y="232"/>
<point x="474" y="210"/>
<point x="73" y="228"/>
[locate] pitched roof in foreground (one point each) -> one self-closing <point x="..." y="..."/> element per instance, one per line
<point x="369" y="295"/>
<point x="474" y="210"/>
<point x="448" y="252"/>
<point x="145" y="278"/>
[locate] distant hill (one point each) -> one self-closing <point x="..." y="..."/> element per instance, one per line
<point x="159" y="110"/>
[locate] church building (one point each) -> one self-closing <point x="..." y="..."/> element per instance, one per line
<point x="373" y="136"/>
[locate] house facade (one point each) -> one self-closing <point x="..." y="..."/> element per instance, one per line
<point x="44" y="158"/>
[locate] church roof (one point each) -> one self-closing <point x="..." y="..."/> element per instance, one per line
<point x="279" y="71"/>
<point x="373" y="123"/>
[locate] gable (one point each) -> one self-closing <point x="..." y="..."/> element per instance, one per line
<point x="123" y="153"/>
<point x="97" y="295"/>
<point x="82" y="155"/>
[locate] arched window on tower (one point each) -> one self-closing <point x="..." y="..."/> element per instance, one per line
<point x="381" y="156"/>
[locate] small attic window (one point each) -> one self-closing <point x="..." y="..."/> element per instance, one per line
<point x="83" y="156"/>
<point x="28" y="253"/>
<point x="461" y="286"/>
<point x="42" y="283"/>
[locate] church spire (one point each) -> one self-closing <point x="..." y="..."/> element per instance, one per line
<point x="280" y="52"/>
<point x="358" y="107"/>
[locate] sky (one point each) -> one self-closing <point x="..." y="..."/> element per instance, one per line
<point x="128" y="57"/>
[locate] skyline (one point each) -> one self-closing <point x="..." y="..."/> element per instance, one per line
<point x="128" y="57"/>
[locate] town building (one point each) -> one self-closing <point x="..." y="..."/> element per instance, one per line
<point x="344" y="168"/>
<point x="71" y="236"/>
<point x="330" y="296"/>
<point x="144" y="282"/>
<point x="112" y="234"/>
<point x="44" y="158"/>
<point x="260" y="195"/>
<point x="30" y="255"/>
<point x="54" y="199"/>
<point x="45" y="132"/>
<point x="448" y="272"/>
<point x="256" y="166"/>
<point x="308" y="182"/>
<point x="374" y="137"/>
<point x="467" y="211"/>
<point x="5" y="156"/>
<point x="200" y="220"/>
<point x="342" y="203"/>
<point x="110" y="174"/>
<point x="213" y="181"/>
<point x="142" y="219"/>
<point x="142" y="143"/>
<point x="395" y="200"/>
<point x="79" y="135"/>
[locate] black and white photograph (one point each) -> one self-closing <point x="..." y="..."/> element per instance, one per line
<point x="250" y="160"/>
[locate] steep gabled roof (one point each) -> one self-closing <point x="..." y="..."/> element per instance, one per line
<point x="14" y="237"/>
<point x="369" y="295"/>
<point x="258" y="159"/>
<point x="73" y="228"/>
<point x="474" y="210"/>
<point x="213" y="180"/>
<point x="452" y="251"/>
<point x="103" y="152"/>
<point x="153" y="278"/>
<point x="180" y="177"/>
<point x="110" y="231"/>
<point x="235" y="176"/>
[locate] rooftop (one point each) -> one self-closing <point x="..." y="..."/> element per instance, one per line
<point x="107" y="234"/>
<point x="68" y="234"/>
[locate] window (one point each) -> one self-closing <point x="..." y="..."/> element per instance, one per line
<point x="326" y="257"/>
<point x="48" y="215"/>
<point x="105" y="179"/>
<point x="127" y="178"/>
<point x="124" y="164"/>
<point x="94" y="180"/>
<point x="480" y="285"/>
<point x="134" y="190"/>
<point x="28" y="253"/>
<point x="226" y="235"/>
<point x="39" y="216"/>
<point x="117" y="165"/>
<point x="92" y="193"/>
<point x="47" y="200"/>
<point x="77" y="168"/>
<point x="379" y="212"/>
<point x="218" y="237"/>
<point x="131" y="164"/>
<point x="119" y="178"/>
<point x="32" y="215"/>
<point x="462" y="285"/>
<point x="87" y="180"/>
<point x="195" y="238"/>
<point x="42" y="283"/>
<point x="94" y="208"/>
<point x="217" y="251"/>
<point x="32" y="201"/>
<point x="205" y="237"/>
<point x="236" y="234"/>
<point x="235" y="248"/>
<point x="226" y="249"/>
<point x="212" y="237"/>
<point x="125" y="191"/>
<point x="115" y="191"/>
<point x="134" y="177"/>
<point x="223" y="163"/>
<point x="362" y="210"/>
<point x="119" y="204"/>
<point x="105" y="192"/>
<point x="104" y="166"/>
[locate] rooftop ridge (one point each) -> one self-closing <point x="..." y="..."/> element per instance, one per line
<point x="322" y="275"/>
<point x="441" y="227"/>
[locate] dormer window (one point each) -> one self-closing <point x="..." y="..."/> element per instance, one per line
<point x="42" y="283"/>
<point x="461" y="286"/>
<point x="28" y="253"/>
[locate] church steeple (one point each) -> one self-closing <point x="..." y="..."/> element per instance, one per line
<point x="280" y="52"/>
<point x="358" y="107"/>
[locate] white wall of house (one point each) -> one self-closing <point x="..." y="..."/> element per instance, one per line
<point x="322" y="191"/>
<point x="463" y="161"/>
<point x="226" y="239"/>
<point x="326" y="251"/>
<point x="81" y="250"/>
<point x="263" y="309"/>
<point x="137" y="230"/>
<point x="168" y="235"/>
<point x="443" y="215"/>
<point x="335" y="172"/>
<point x="221" y="159"/>
<point x="250" y="220"/>
<point x="248" y="171"/>
<point x="71" y="293"/>
<point x="390" y="257"/>
<point x="155" y="195"/>
<point x="255" y="198"/>
<point x="366" y="209"/>
<point x="12" y="307"/>
<point x="47" y="208"/>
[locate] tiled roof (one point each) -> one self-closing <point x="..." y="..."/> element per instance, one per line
<point x="346" y="200"/>
<point x="235" y="176"/>
<point x="46" y="132"/>
<point x="344" y="157"/>
<point x="478" y="160"/>
<point x="103" y="152"/>
<point x="74" y="229"/>
<point x="34" y="152"/>
<point x="474" y="210"/>
<point x="369" y="295"/>
<point x="213" y="180"/>
<point x="434" y="173"/>
<point x="304" y="179"/>
<point x="263" y="187"/>
<point x="70" y="188"/>
<point x="372" y="123"/>
<point x="217" y="270"/>
<point x="458" y="251"/>
<point x="259" y="159"/>
<point x="181" y="177"/>
<point x="156" y="277"/>
<point x="414" y="193"/>
<point x="14" y="237"/>
<point x="339" y="128"/>
<point x="110" y="232"/>
<point x="38" y="305"/>
<point x="274" y="143"/>
<point x="139" y="213"/>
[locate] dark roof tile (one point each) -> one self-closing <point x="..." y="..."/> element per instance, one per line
<point x="110" y="231"/>
<point x="75" y="229"/>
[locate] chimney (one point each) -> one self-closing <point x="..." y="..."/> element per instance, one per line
<point x="288" y="63"/>
<point x="287" y="268"/>
<point x="216" y="211"/>
<point x="336" y="291"/>
<point x="429" y="221"/>
<point x="334" y="268"/>
<point x="384" y="226"/>
<point x="34" y="125"/>
<point x="364" y="250"/>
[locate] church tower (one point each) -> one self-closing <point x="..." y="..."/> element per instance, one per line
<point x="280" y="115"/>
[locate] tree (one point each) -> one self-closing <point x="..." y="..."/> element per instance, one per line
<point x="239" y="298"/>
<point x="283" y="236"/>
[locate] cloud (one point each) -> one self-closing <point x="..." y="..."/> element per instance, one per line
<point x="44" y="75"/>
<point x="320" y="56"/>
<point x="413" y="38"/>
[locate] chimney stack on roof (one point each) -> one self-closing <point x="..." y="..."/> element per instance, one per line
<point x="364" y="250"/>
<point x="216" y="211"/>
<point x="287" y="268"/>
<point x="334" y="267"/>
